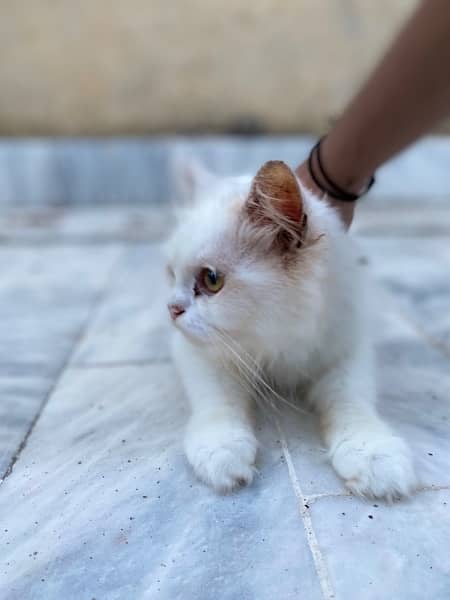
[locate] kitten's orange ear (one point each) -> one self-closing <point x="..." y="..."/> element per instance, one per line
<point x="275" y="192"/>
<point x="275" y="201"/>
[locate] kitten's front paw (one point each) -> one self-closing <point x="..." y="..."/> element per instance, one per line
<point x="378" y="467"/>
<point x="222" y="456"/>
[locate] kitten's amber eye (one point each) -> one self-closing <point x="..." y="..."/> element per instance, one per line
<point x="212" y="280"/>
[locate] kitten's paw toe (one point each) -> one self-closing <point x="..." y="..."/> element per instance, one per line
<point x="224" y="459"/>
<point x="379" y="468"/>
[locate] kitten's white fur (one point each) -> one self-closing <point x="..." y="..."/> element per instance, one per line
<point x="303" y="325"/>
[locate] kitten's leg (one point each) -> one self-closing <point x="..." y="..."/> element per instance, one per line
<point x="371" y="459"/>
<point x="219" y="442"/>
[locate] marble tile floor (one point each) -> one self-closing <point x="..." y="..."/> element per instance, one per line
<point x="97" y="500"/>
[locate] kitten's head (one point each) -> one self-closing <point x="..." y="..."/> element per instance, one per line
<point x="240" y="257"/>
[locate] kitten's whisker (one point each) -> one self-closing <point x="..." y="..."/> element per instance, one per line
<point x="248" y="374"/>
<point x="250" y="384"/>
<point x="252" y="376"/>
<point x="255" y="373"/>
<point x="241" y="348"/>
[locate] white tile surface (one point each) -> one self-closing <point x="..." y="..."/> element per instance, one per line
<point x="401" y="552"/>
<point x="132" y="322"/>
<point x="102" y="504"/>
<point x="416" y="272"/>
<point x="46" y="297"/>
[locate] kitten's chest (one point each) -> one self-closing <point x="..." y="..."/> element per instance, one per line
<point x="292" y="366"/>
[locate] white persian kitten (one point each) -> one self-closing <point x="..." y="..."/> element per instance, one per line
<point x="265" y="287"/>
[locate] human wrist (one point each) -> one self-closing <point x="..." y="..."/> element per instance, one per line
<point x="344" y="209"/>
<point x="345" y="165"/>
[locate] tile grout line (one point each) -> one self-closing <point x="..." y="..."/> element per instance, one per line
<point x="310" y="498"/>
<point x="433" y="488"/>
<point x="313" y="497"/>
<point x="78" y="339"/>
<point x="318" y="559"/>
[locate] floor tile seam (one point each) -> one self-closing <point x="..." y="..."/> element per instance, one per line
<point x="66" y="363"/>
<point x="313" y="544"/>
<point x="312" y="498"/>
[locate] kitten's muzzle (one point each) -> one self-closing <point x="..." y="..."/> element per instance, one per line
<point x="175" y="310"/>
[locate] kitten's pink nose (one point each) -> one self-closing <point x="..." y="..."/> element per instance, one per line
<point x="175" y="310"/>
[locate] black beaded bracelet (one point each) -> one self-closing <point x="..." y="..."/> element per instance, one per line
<point x="331" y="188"/>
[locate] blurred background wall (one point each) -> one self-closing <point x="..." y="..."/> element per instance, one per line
<point x="109" y="67"/>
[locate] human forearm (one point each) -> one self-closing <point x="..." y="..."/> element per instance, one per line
<point x="406" y="96"/>
<point x="408" y="93"/>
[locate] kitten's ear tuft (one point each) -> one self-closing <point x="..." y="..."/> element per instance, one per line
<point x="275" y="201"/>
<point x="190" y="176"/>
<point x="275" y="189"/>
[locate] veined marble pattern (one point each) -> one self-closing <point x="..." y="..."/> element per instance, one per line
<point x="99" y="172"/>
<point x="99" y="502"/>
<point x="47" y="295"/>
<point x="105" y="506"/>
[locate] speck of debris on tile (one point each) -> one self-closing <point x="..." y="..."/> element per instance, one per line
<point x="145" y="497"/>
<point x="129" y="460"/>
<point x="79" y="462"/>
<point x="131" y="518"/>
<point x="430" y="454"/>
<point x="343" y="514"/>
<point x="375" y="505"/>
<point x="35" y="553"/>
<point x="370" y="516"/>
<point x="42" y="579"/>
<point x="306" y="505"/>
<point x="123" y="441"/>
